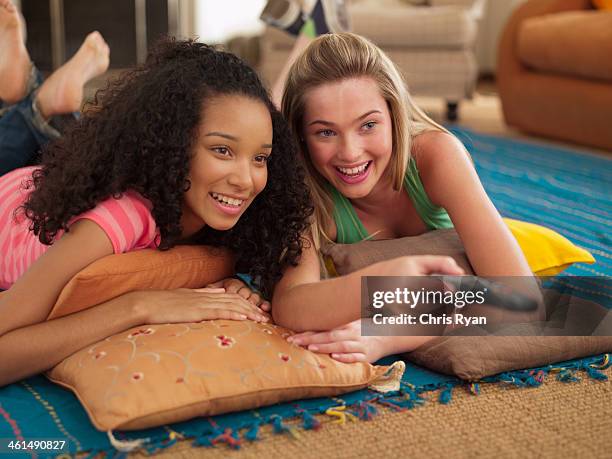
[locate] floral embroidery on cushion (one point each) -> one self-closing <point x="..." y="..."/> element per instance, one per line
<point x="100" y="355"/>
<point x="138" y="376"/>
<point x="225" y="341"/>
<point x="322" y="367"/>
<point x="141" y="331"/>
<point x="284" y="357"/>
<point x="265" y="330"/>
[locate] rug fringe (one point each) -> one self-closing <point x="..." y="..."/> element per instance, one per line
<point x="126" y="446"/>
<point x="390" y="381"/>
<point x="397" y="397"/>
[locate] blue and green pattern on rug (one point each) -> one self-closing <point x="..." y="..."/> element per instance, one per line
<point x="36" y="408"/>
<point x="565" y="190"/>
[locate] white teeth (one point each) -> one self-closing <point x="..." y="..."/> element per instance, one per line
<point x="227" y="200"/>
<point x="353" y="170"/>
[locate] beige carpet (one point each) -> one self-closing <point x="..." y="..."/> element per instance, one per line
<point x="555" y="420"/>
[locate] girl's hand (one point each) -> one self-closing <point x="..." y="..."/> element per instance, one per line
<point x="233" y="285"/>
<point x="194" y="305"/>
<point x="418" y="265"/>
<point x="344" y="343"/>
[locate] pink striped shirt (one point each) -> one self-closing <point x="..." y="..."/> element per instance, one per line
<point x="127" y="222"/>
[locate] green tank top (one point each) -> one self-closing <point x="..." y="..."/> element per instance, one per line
<point x="350" y="229"/>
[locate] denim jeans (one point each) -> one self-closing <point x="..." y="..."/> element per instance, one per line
<point x="23" y="131"/>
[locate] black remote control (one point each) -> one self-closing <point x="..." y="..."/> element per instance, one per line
<point x="495" y="294"/>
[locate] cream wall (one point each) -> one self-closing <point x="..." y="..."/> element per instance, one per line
<point x="496" y="13"/>
<point x="216" y="21"/>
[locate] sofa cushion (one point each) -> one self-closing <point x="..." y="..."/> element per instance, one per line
<point x="415" y="27"/>
<point x="603" y="4"/>
<point x="401" y="26"/>
<point x="575" y="43"/>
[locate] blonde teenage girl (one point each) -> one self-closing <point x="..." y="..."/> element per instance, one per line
<point x="378" y="168"/>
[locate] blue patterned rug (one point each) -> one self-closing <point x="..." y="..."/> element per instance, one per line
<point x="566" y="190"/>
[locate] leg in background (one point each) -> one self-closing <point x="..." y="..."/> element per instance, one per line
<point x="300" y="45"/>
<point x="27" y="126"/>
<point x="14" y="58"/>
<point x="325" y="16"/>
<point x="23" y="131"/>
<point x="62" y="92"/>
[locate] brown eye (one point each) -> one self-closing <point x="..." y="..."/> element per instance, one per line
<point x="224" y="151"/>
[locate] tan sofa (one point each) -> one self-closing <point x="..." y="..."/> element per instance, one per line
<point x="554" y="71"/>
<point x="433" y="45"/>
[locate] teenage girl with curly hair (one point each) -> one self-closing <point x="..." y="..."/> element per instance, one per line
<point x="187" y="148"/>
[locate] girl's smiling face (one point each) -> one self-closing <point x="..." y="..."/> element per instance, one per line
<point x="348" y="131"/>
<point x="229" y="163"/>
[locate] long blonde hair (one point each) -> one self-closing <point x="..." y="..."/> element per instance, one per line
<point x="336" y="57"/>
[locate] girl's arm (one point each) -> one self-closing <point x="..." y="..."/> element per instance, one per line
<point x="451" y="181"/>
<point x="304" y="302"/>
<point x="29" y="345"/>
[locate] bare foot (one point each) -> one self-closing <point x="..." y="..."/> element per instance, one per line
<point x="14" y="58"/>
<point x="62" y="92"/>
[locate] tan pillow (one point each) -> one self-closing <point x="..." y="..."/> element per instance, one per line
<point x="180" y="267"/>
<point x="154" y="375"/>
<point x="347" y="258"/>
<point x="547" y="252"/>
<point x="474" y="357"/>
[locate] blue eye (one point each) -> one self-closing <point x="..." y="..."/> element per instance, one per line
<point x="369" y="125"/>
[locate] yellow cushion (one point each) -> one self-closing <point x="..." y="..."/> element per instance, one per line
<point x="180" y="267"/>
<point x="602" y="4"/>
<point x="547" y="252"/>
<point x="154" y="375"/>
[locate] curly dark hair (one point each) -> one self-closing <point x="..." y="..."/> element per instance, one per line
<point x="138" y="135"/>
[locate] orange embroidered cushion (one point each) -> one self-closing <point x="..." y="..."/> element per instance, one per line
<point x="154" y="375"/>
<point x="182" y="266"/>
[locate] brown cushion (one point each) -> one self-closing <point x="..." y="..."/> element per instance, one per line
<point x="351" y="257"/>
<point x="159" y="374"/>
<point x="474" y="357"/>
<point x="575" y="43"/>
<point x="109" y="277"/>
